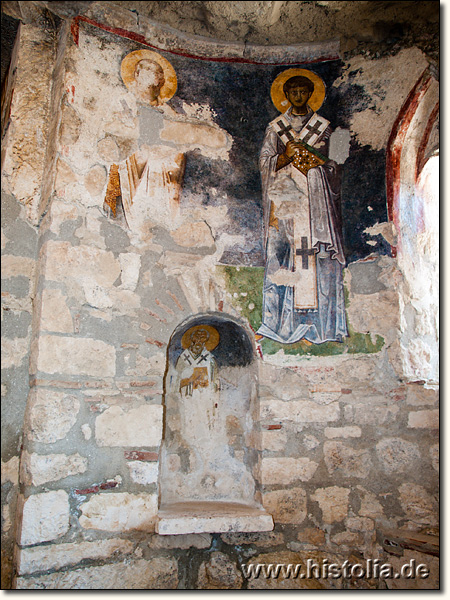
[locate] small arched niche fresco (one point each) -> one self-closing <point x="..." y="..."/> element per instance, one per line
<point x="209" y="452"/>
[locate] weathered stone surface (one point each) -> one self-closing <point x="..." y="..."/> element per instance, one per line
<point x="58" y="556"/>
<point x="434" y="454"/>
<point x="370" y="505"/>
<point x="37" y="469"/>
<point x="120" y="512"/>
<point x="263" y="539"/>
<point x="360" y="524"/>
<point x="431" y="582"/>
<point x="397" y="455"/>
<point x="313" y="536"/>
<point x="181" y="542"/>
<point x="45" y="517"/>
<point x="286" y="506"/>
<point x="211" y="517"/>
<point x="95" y="180"/>
<point x="76" y="356"/>
<point x="424" y="419"/>
<point x="55" y="314"/>
<point x="130" y="265"/>
<point x="108" y="149"/>
<point x="343" y="432"/>
<point x="299" y="411"/>
<point x="273" y="440"/>
<point x="17" y="266"/>
<point x="333" y="502"/>
<point x="418" y="395"/>
<point x="193" y="235"/>
<point x="346" y="460"/>
<point x="64" y="177"/>
<point x="10" y="471"/>
<point x="348" y="539"/>
<point x="143" y="472"/>
<point x="14" y="351"/>
<point x="50" y="415"/>
<point x="193" y="135"/>
<point x="418" y="504"/>
<point x="283" y="581"/>
<point x="65" y="262"/>
<point x="140" y="426"/>
<point x="156" y="574"/>
<point x="370" y="414"/>
<point x="286" y="470"/>
<point x="219" y="573"/>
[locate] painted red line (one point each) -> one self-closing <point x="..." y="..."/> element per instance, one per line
<point x="420" y="163"/>
<point x="136" y="37"/>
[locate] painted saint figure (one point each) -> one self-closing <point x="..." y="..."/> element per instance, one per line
<point x="303" y="295"/>
<point x="196" y="366"/>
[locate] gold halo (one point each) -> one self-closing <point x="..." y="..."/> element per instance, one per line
<point x="128" y="67"/>
<point x="282" y="103"/>
<point x="210" y="344"/>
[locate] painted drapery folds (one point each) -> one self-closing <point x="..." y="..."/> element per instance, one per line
<point x="303" y="294"/>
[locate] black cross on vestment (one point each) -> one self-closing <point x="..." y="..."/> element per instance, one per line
<point x="202" y="358"/>
<point x="312" y="129"/>
<point x="285" y="130"/>
<point x="304" y="252"/>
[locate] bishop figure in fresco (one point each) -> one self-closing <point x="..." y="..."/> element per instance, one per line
<point x="303" y="295"/>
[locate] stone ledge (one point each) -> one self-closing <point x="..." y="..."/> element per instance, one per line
<point x="211" y="517"/>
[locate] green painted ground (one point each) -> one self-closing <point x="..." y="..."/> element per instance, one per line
<point x="245" y="284"/>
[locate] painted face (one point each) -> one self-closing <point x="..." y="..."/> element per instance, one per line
<point x="149" y="78"/>
<point x="298" y="96"/>
<point x="198" y="341"/>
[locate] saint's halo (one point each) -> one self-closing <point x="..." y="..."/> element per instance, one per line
<point x="278" y="96"/>
<point x="210" y="343"/>
<point x="128" y="67"/>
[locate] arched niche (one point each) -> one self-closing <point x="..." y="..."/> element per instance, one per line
<point x="209" y="456"/>
<point x="412" y="183"/>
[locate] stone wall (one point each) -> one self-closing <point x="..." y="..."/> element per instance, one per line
<point x="348" y="447"/>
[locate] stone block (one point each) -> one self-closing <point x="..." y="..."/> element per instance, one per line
<point x="343" y="432"/>
<point x="263" y="539"/>
<point x="286" y="506"/>
<point x="50" y="415"/>
<point x="273" y="440"/>
<point x="37" y="469"/>
<point x="312" y="535"/>
<point x="219" y="573"/>
<point x="75" y="356"/>
<point x="418" y="395"/>
<point x="10" y="471"/>
<point x="45" y="517"/>
<point x="424" y="419"/>
<point x="120" y="512"/>
<point x="346" y="460"/>
<point x="299" y="411"/>
<point x="418" y="504"/>
<point x="286" y="470"/>
<point x="55" y="314"/>
<point x="156" y="574"/>
<point x="130" y="266"/>
<point x="140" y="426"/>
<point x="211" y="517"/>
<point x="143" y="473"/>
<point x="333" y="502"/>
<point x="65" y="262"/>
<point x="397" y="455"/>
<point x="58" y="556"/>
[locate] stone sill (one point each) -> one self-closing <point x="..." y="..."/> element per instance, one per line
<point x="211" y="517"/>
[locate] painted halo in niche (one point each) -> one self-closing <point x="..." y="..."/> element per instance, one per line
<point x="210" y="343"/>
<point x="282" y="103"/>
<point x="149" y="76"/>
